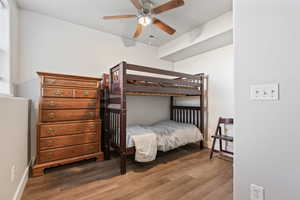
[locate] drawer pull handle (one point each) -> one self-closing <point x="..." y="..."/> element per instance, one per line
<point x="92" y="104"/>
<point x="51" y="103"/>
<point x="58" y="92"/>
<point x="51" y="131"/>
<point x="91" y="147"/>
<point x="93" y="136"/>
<point x="50" y="155"/>
<point x="51" y="81"/>
<point x="92" y="83"/>
<point x="50" y="143"/>
<point x="92" y="126"/>
<point x="90" y="114"/>
<point x="86" y="93"/>
<point x="51" y="115"/>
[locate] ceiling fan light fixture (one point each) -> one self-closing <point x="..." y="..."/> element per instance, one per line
<point x="145" y="20"/>
<point x="146" y="15"/>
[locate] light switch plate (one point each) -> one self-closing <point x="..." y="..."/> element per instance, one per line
<point x="265" y="92"/>
<point x="257" y="192"/>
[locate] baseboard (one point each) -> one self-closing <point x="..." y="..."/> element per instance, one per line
<point x="22" y="184"/>
<point x="32" y="161"/>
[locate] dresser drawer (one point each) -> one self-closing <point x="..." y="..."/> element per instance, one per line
<point x="86" y="93"/>
<point x="63" y="141"/>
<point x="62" y="103"/>
<point x="67" y="152"/>
<point x="68" y="115"/>
<point x="57" y="92"/>
<point x="69" y="83"/>
<point x="50" y="130"/>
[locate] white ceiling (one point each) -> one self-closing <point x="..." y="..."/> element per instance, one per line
<point x="89" y="13"/>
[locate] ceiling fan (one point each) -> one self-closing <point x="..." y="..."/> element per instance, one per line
<point x="146" y="14"/>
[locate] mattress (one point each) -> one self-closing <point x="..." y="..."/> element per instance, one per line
<point x="170" y="134"/>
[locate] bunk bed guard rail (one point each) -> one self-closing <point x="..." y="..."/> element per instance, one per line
<point x="124" y="77"/>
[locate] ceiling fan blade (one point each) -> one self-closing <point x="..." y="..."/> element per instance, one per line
<point x="163" y="26"/>
<point x="168" y="6"/>
<point x="136" y="4"/>
<point x="138" y="30"/>
<point x="119" y="17"/>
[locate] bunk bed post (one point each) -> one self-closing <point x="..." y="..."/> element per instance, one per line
<point x="106" y="122"/>
<point x="123" y="123"/>
<point x="171" y="107"/>
<point x="202" y="109"/>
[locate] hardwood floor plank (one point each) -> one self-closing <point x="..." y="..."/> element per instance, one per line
<point x="209" y="186"/>
<point x="184" y="174"/>
<point x="223" y="192"/>
<point x="157" y="193"/>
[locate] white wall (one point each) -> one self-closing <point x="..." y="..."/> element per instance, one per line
<point x="14" y="45"/>
<point x="51" y="45"/>
<point x="4" y="50"/>
<point x="267" y="140"/>
<point x="9" y="41"/>
<point x="13" y="146"/>
<point x="147" y="110"/>
<point x="218" y="65"/>
<point x="48" y="44"/>
<point x="4" y="21"/>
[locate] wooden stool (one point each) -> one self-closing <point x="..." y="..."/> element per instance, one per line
<point x="218" y="135"/>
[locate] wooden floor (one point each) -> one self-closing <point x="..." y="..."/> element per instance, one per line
<point x="185" y="173"/>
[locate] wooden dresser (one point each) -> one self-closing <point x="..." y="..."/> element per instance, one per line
<point x="68" y="128"/>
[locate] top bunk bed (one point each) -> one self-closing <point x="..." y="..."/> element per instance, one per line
<point x="130" y="79"/>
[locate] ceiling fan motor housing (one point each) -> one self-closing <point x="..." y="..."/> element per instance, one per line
<point x="145" y="11"/>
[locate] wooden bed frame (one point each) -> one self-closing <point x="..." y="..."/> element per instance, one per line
<point x="121" y="83"/>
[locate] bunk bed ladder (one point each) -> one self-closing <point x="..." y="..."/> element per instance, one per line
<point x="123" y="117"/>
<point x="105" y="123"/>
<point x="117" y="116"/>
<point x="203" y="109"/>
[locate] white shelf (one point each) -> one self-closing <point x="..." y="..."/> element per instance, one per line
<point x="211" y="35"/>
<point x="209" y="44"/>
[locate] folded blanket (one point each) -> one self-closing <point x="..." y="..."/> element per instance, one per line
<point x="145" y="146"/>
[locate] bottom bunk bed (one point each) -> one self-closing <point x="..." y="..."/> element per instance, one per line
<point x="161" y="136"/>
<point x="143" y="141"/>
<point x="169" y="134"/>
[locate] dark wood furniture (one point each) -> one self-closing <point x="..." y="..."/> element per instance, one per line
<point x="122" y="83"/>
<point x="219" y="136"/>
<point x="68" y="128"/>
<point x="104" y="109"/>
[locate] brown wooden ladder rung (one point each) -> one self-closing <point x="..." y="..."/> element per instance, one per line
<point x="223" y="137"/>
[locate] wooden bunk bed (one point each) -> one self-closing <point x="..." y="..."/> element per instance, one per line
<point x="123" y="80"/>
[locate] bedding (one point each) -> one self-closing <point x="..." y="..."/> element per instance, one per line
<point x="145" y="142"/>
<point x="169" y="135"/>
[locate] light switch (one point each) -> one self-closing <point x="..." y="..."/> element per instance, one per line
<point x="264" y="92"/>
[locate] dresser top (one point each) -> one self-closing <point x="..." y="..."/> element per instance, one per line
<point x="68" y="76"/>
